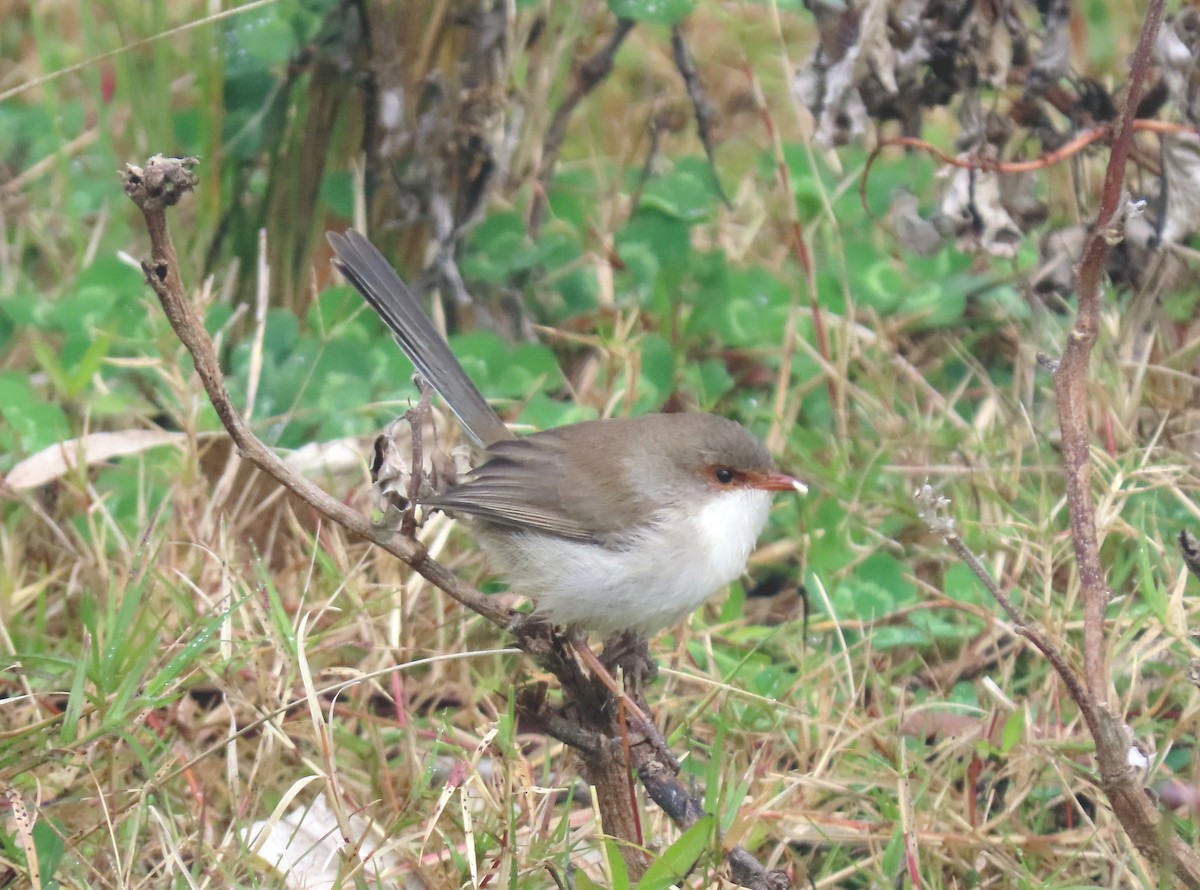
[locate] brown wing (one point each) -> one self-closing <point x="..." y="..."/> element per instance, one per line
<point x="519" y="485"/>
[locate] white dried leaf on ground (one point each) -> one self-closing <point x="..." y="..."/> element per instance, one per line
<point x="1019" y="195"/>
<point x="338" y="457"/>
<point x="55" y="461"/>
<point x="304" y="848"/>
<point x="877" y="55"/>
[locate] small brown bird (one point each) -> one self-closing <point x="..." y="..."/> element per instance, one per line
<point x="609" y="526"/>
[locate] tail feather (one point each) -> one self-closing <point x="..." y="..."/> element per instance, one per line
<point x="367" y="269"/>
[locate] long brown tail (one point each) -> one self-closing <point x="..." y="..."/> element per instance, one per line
<point x="367" y="269"/>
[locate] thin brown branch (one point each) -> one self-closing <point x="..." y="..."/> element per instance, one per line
<point x="701" y="106"/>
<point x="930" y="507"/>
<point x="684" y="810"/>
<point x="1070" y="379"/>
<point x="587" y="77"/>
<point x="636" y="711"/>
<point x="154" y="188"/>
<point x="630" y="787"/>
<point x="993" y="165"/>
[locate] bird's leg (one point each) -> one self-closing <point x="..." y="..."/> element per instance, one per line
<point x="580" y="644"/>
<point x="640" y="720"/>
<point x="628" y="651"/>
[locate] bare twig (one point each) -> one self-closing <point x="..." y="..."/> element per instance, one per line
<point x="701" y="106"/>
<point x="994" y="165"/>
<point x="656" y="128"/>
<point x="587" y="77"/>
<point x="155" y="188"/>
<point x="1070" y="380"/>
<point x="674" y="800"/>
<point x="931" y="507"/>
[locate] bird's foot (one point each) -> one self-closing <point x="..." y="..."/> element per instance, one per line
<point x="628" y="653"/>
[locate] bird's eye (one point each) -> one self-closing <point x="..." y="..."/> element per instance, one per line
<point x="724" y="475"/>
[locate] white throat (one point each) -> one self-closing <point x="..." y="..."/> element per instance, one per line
<point x="727" y="528"/>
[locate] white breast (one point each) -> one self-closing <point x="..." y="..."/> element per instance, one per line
<point x="662" y="574"/>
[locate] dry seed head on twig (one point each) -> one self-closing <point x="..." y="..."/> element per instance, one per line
<point x="931" y="507"/>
